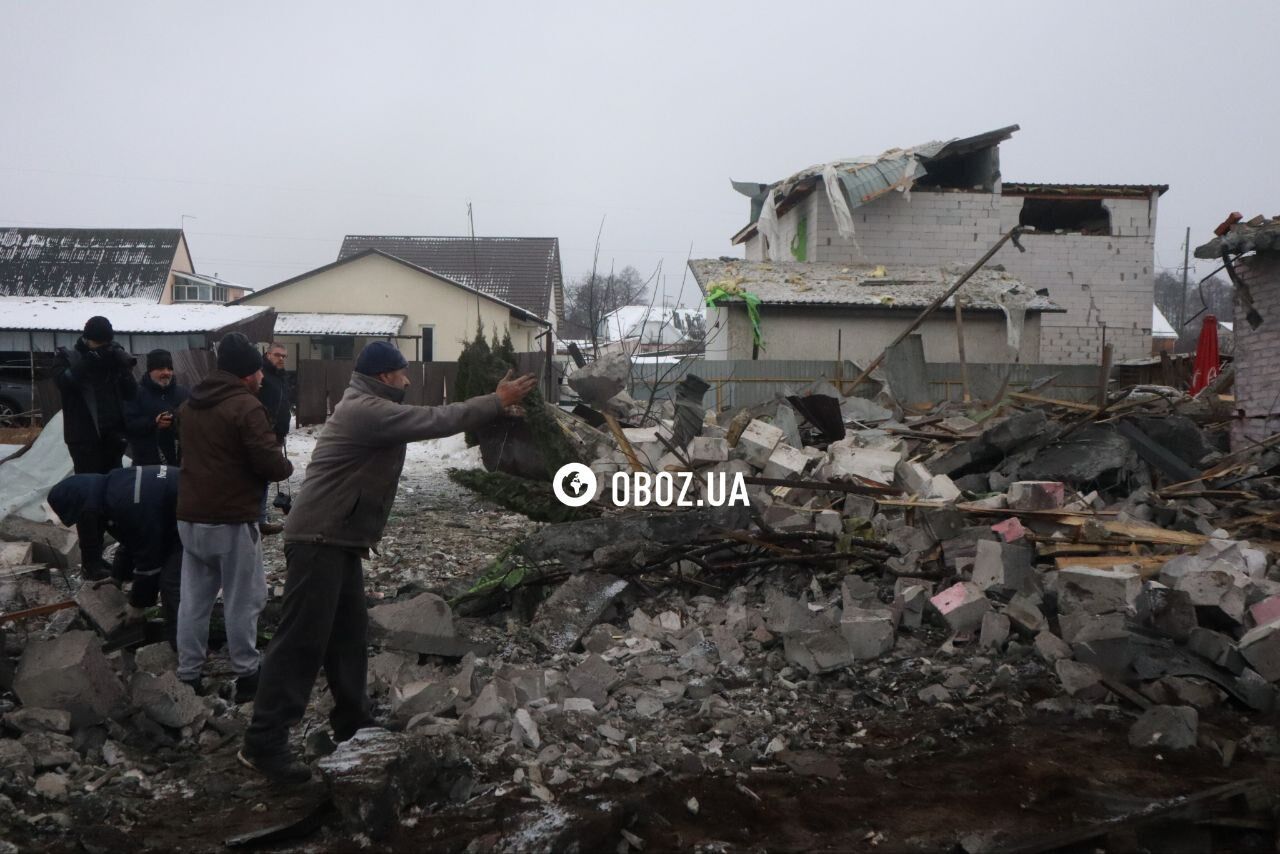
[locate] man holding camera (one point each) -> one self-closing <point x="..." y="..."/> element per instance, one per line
<point x="149" y="417"/>
<point x="95" y="378"/>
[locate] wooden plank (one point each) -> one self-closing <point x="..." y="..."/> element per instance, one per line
<point x="1147" y="566"/>
<point x="1143" y="533"/>
<point x="623" y="443"/>
<point x="1049" y="401"/>
<point x="415" y="394"/>
<point x="312" y="408"/>
<point x="337" y="376"/>
<point x="38" y="611"/>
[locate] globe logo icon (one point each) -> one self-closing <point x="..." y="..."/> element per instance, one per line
<point x="574" y="484"/>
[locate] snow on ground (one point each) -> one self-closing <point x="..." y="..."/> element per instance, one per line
<point x="426" y="463"/>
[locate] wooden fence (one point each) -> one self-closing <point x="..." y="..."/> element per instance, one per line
<point x="322" y="382"/>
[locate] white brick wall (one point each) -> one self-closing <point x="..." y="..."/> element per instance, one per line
<point x="1099" y="280"/>
<point x="1257" y="352"/>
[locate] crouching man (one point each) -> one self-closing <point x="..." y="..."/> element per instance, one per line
<point x="138" y="507"/>
<point x="338" y="516"/>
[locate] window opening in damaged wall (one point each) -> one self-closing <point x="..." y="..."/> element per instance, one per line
<point x="1074" y="216"/>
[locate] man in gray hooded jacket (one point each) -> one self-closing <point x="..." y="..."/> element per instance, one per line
<point x="338" y="516"/>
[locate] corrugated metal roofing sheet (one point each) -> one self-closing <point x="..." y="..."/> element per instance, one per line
<point x="98" y="263"/>
<point x="787" y="283"/>
<point x="308" y="323"/>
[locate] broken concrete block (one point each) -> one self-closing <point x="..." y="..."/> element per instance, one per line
<point x="15" y="554"/>
<point x="1051" y="648"/>
<point x="757" y="442"/>
<point x="1265" y="612"/>
<point x="961" y="606"/>
<point x="70" y="672"/>
<point x="933" y="694"/>
<point x="870" y="632"/>
<point x="913" y="477"/>
<point x="818" y="650"/>
<point x="1215" y="590"/>
<point x="1036" y="495"/>
<point x="28" y="719"/>
<point x="1025" y="615"/>
<point x="1180" y="691"/>
<point x="704" y="450"/>
<point x="785" y="463"/>
<point x="423" y="624"/>
<point x="994" y="632"/>
<point x="1004" y="567"/>
<point x="909" y="604"/>
<point x="1169" y="727"/>
<point x="104" y="606"/>
<point x="1010" y="530"/>
<point x="1081" y="681"/>
<point x="524" y="731"/>
<point x="1168" y="611"/>
<point x="156" y="658"/>
<point x="1217" y="648"/>
<point x="376" y="774"/>
<point x="1261" y="648"/>
<point x="600" y="380"/>
<point x="848" y="460"/>
<point x="581" y="705"/>
<point x="49" y="749"/>
<point x="782" y="517"/>
<point x="50" y="543"/>
<point x="828" y="522"/>
<point x="1083" y="627"/>
<point x="593" y="679"/>
<point x="488" y="705"/>
<point x="15" y="758"/>
<point x="423" y="698"/>
<point x="1096" y="591"/>
<point x="942" y="488"/>
<point x="166" y="700"/>
<point x="574" y="607"/>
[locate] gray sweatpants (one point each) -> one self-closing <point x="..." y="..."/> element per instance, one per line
<point x="226" y="557"/>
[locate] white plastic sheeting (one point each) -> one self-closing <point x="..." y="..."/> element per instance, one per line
<point x="26" y="481"/>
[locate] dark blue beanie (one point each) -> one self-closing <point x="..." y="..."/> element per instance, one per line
<point x="379" y="357"/>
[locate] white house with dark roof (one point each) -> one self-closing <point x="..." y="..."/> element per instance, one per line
<point x="333" y="311"/>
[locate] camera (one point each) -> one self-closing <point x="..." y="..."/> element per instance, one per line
<point x="283" y="502"/>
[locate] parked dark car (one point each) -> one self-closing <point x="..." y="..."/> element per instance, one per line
<point x="17" y="399"/>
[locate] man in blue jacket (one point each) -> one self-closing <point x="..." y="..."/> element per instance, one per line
<point x="151" y="417"/>
<point x="138" y="507"/>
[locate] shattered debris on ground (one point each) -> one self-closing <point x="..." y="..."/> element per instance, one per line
<point x="903" y="586"/>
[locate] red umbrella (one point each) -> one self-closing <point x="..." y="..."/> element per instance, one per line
<point x="1206" y="355"/>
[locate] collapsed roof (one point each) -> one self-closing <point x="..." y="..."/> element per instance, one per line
<point x="969" y="162"/>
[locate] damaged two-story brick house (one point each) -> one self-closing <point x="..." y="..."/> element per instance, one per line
<point x="940" y="206"/>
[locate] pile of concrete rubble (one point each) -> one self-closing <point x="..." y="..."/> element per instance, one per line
<point x="889" y="562"/>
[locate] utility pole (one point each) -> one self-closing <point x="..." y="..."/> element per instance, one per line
<point x="1186" y="263"/>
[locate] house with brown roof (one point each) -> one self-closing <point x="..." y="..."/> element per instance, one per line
<point x="942" y="205"/>
<point x="423" y="294"/>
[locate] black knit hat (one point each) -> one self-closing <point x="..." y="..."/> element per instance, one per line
<point x="158" y="359"/>
<point x="98" y="329"/>
<point x="379" y="357"/>
<point x="237" y="356"/>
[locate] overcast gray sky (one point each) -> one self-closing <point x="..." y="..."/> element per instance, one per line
<point x="281" y="126"/>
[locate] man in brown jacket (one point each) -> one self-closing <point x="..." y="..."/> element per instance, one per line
<point x="229" y="455"/>
<point x="338" y="516"/>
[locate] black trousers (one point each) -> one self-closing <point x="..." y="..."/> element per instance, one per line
<point x="323" y="622"/>
<point x="165" y="582"/>
<point x="97" y="457"/>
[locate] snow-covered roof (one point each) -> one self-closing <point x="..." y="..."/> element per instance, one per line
<point x="70" y="315"/>
<point x="653" y="324"/>
<point x="308" y="323"/>
<point x="1160" y="325"/>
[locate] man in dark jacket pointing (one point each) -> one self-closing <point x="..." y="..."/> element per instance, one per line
<point x="339" y="515"/>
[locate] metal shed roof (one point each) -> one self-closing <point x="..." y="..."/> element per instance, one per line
<point x="126" y="316"/>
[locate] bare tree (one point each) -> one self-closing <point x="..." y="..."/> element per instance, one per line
<point x="589" y="299"/>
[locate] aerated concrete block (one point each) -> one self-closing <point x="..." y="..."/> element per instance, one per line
<point x="70" y="672"/>
<point x="758" y="441"/>
<point x="961" y="606"/>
